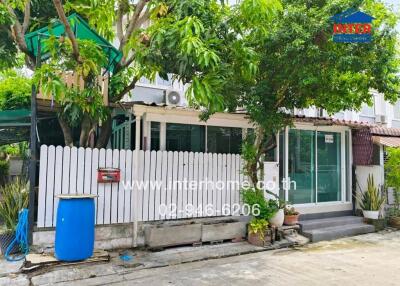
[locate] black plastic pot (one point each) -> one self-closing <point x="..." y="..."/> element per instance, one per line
<point x="5" y="241"/>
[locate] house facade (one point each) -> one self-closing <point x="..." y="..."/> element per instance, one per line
<point x="313" y="159"/>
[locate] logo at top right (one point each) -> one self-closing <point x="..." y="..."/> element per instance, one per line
<point x="352" y="26"/>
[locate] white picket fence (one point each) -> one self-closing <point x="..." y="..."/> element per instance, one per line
<point x="65" y="170"/>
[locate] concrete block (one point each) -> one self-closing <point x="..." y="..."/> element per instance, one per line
<point x="223" y="231"/>
<point x="163" y="235"/>
<point x="106" y="237"/>
<point x="113" y="231"/>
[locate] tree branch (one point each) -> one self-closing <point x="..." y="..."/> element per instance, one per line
<point x="27" y="17"/>
<point x="120" y="15"/>
<point x="145" y="16"/>
<point x="132" y="23"/>
<point x="128" y="61"/>
<point x="17" y="30"/>
<point x="68" y="30"/>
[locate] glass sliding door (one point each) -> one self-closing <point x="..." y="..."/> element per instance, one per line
<point x="329" y="166"/>
<point x="314" y="166"/>
<point x="301" y="163"/>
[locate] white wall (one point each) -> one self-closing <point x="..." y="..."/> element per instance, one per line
<point x="362" y="173"/>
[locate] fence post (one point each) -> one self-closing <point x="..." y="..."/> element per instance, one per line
<point x="134" y="190"/>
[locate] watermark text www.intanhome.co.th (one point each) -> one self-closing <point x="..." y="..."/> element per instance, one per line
<point x="185" y="184"/>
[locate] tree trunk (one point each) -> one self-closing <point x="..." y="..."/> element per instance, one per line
<point x="67" y="131"/>
<point x="86" y="126"/>
<point x="105" y="133"/>
<point x="258" y="164"/>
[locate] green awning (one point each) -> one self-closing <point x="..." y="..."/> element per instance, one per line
<point x="15" y="118"/>
<point x="81" y="30"/>
<point x="14" y="126"/>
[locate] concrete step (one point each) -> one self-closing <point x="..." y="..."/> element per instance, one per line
<point x="334" y="232"/>
<point x="307" y="225"/>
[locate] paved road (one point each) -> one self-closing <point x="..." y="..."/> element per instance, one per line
<point x="366" y="260"/>
<point x="372" y="259"/>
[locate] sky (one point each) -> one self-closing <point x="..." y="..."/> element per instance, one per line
<point x="396" y="6"/>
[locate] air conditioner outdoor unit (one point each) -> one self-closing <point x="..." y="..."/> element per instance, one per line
<point x="172" y="97"/>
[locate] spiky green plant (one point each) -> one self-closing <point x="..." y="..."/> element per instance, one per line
<point x="13" y="198"/>
<point x="372" y="199"/>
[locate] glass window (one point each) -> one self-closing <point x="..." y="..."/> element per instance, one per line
<point x="185" y="137"/>
<point x="155" y="136"/>
<point x="224" y="140"/>
<point x="367" y="110"/>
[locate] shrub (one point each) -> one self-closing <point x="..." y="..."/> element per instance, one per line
<point x="253" y="197"/>
<point x="14" y="197"/>
<point x="4" y="167"/>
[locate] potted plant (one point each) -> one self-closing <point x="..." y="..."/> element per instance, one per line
<point x="393" y="212"/>
<point x="371" y="201"/>
<point x="394" y="217"/>
<point x="291" y="216"/>
<point x="14" y="197"/>
<point x="392" y="177"/>
<point x="258" y="232"/>
<point x="278" y="218"/>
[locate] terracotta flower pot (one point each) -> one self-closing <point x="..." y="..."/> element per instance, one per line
<point x="257" y="240"/>
<point x="291" y="219"/>
<point x="394" y="221"/>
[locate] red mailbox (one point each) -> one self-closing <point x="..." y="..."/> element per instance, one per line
<point x="108" y="175"/>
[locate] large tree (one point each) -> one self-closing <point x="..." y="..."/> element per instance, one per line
<point x="299" y="66"/>
<point x="202" y="42"/>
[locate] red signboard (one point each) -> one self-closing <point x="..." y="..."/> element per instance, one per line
<point x="108" y="175"/>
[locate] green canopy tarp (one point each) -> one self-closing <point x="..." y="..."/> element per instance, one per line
<point x="19" y="117"/>
<point x="14" y="126"/>
<point x="81" y="30"/>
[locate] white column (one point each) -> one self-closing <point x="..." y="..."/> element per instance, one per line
<point x="135" y="202"/>
<point x="137" y="134"/>
<point x="148" y="135"/>
<point x="163" y="136"/>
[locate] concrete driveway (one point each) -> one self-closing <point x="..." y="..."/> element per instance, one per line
<point x="372" y="259"/>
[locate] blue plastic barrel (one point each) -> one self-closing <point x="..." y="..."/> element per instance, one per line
<point x="75" y="227"/>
